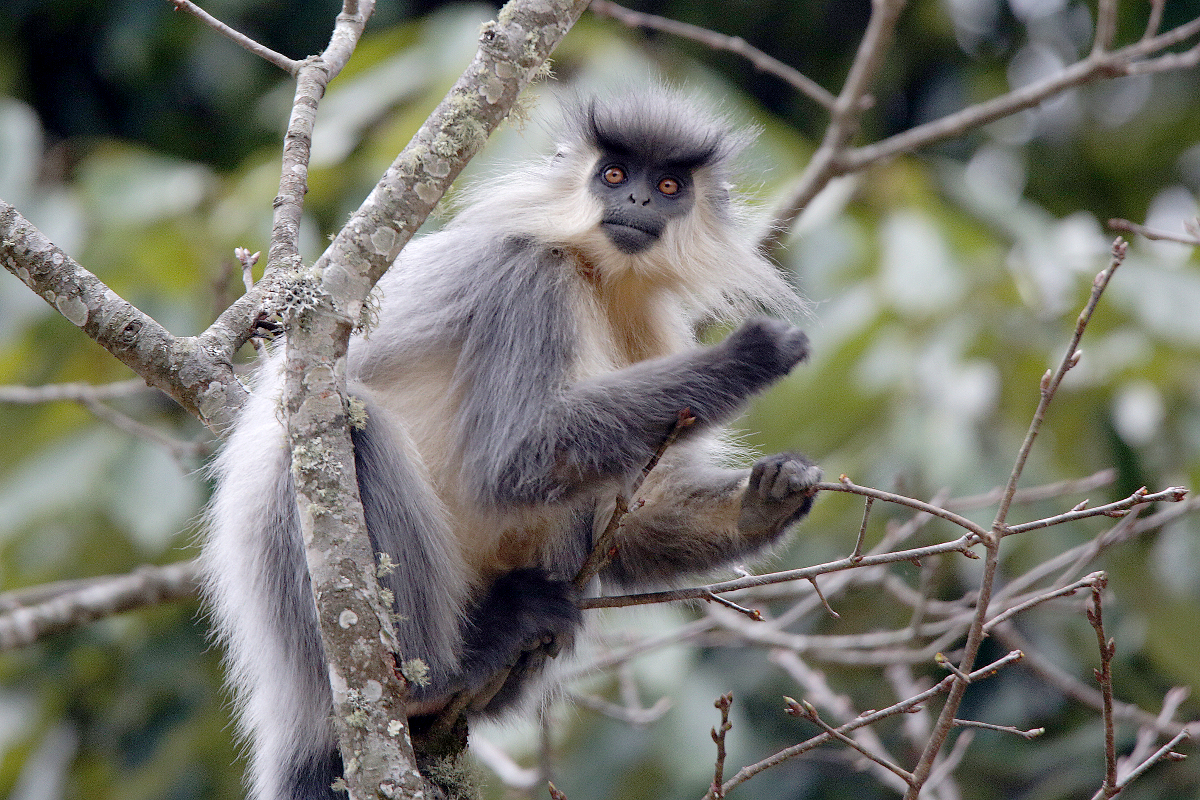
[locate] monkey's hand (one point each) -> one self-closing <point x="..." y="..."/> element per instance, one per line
<point x="767" y="349"/>
<point x="780" y="491"/>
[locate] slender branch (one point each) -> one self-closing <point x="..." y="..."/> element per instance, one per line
<point x="262" y="51"/>
<point x="1051" y="381"/>
<point x="1034" y="494"/>
<point x="53" y="608"/>
<point x="862" y="530"/>
<point x="1164" y="753"/>
<point x="1092" y="68"/>
<point x="752" y="613"/>
<point x="977" y="631"/>
<point x="1108" y="649"/>
<point x="805" y="710"/>
<point x="960" y="545"/>
<point x="1070" y="687"/>
<point x="718" y="41"/>
<point x="1106" y="27"/>
<point x="1119" y="508"/>
<point x="723" y="703"/>
<point x="1091" y="581"/>
<point x="825" y="163"/>
<point x="903" y="707"/>
<point x="1192" y="239"/>
<point x="196" y="372"/>
<point x="74" y="392"/>
<point x="1130" y="60"/>
<point x="179" y="450"/>
<point x="1154" y="21"/>
<point x="1032" y="733"/>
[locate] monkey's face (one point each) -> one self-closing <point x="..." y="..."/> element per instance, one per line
<point x="640" y="197"/>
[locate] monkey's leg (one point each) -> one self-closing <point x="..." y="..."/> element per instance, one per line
<point x="524" y="618"/>
<point x="696" y="517"/>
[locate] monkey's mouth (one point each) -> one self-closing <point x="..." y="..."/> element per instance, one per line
<point x="629" y="237"/>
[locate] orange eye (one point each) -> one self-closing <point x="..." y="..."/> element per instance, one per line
<point x="613" y="175"/>
<point x="669" y="186"/>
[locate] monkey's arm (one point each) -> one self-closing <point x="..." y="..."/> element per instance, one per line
<point x="559" y="440"/>
<point x="698" y="517"/>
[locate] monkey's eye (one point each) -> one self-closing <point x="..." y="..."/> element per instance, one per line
<point x="613" y="175"/>
<point x="669" y="186"/>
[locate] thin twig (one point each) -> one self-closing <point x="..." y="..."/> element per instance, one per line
<point x="903" y="707"/>
<point x="826" y="162"/>
<point x="1034" y="494"/>
<point x="1051" y="381"/>
<point x="1119" y="508"/>
<point x="1032" y="733"/>
<point x="1150" y="233"/>
<point x="1154" y="21"/>
<point x="1106" y="27"/>
<point x="752" y="613"/>
<point x="862" y="530"/>
<point x="717" y="41"/>
<point x="806" y="710"/>
<point x="824" y="602"/>
<point x="286" y="64"/>
<point x="1164" y="753"/>
<point x="723" y="704"/>
<point x="1091" y="581"/>
<point x="991" y="541"/>
<point x="1108" y="648"/>
<point x="75" y="392"/>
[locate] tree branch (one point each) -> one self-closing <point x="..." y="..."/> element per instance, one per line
<point x="31" y="614"/>
<point x="196" y="372"/>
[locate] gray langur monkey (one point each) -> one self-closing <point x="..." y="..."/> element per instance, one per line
<point x="527" y="362"/>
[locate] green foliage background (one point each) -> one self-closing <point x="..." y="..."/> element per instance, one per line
<point x="943" y="284"/>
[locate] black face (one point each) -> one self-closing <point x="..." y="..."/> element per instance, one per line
<point x="640" y="197"/>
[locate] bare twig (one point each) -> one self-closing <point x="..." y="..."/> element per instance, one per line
<point x="1192" y="238"/>
<point x="1034" y="494"/>
<point x="1051" y="381"/>
<point x="1071" y="687"/>
<point x="960" y="545"/>
<point x="817" y="689"/>
<point x="1032" y="733"/>
<point x="991" y="540"/>
<point x="862" y="530"/>
<point x="74" y="392"/>
<point x="752" y="613"/>
<point x="817" y="588"/>
<point x="825" y="163"/>
<point x="805" y="710"/>
<point x="1119" y="508"/>
<point x="262" y="51"/>
<point x="717" y="41"/>
<point x="1106" y="27"/>
<point x="634" y="717"/>
<point x="1100" y="64"/>
<point x="1164" y="753"/>
<point x="722" y="704"/>
<point x="871" y="718"/>
<point x="31" y="615"/>
<point x="1108" y="648"/>
<point x="1154" y="21"/>
<point x="1096" y="578"/>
